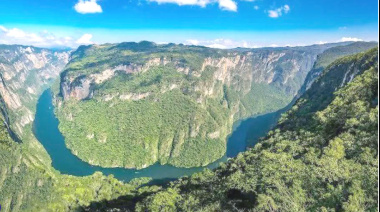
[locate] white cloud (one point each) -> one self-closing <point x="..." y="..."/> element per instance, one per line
<point x="273" y="14"/>
<point x="221" y="43"/>
<point x="88" y="6"/>
<point x="217" y="46"/>
<point x="279" y="11"/>
<point x="192" y="42"/>
<point x="85" y="39"/>
<point x="3" y="29"/>
<point x="40" y="39"/>
<point x="15" y="33"/>
<point x="345" y="39"/>
<point x="256" y="7"/>
<point x="229" y="5"/>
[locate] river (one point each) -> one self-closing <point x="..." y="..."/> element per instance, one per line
<point x="46" y="130"/>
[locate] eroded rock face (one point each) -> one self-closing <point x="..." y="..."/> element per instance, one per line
<point x="80" y="91"/>
<point x="80" y="87"/>
<point x="24" y="73"/>
<point x="284" y="68"/>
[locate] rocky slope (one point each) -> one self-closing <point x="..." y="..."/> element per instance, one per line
<point x="24" y="72"/>
<point x="336" y="75"/>
<point x="332" y="54"/>
<point x="134" y="104"/>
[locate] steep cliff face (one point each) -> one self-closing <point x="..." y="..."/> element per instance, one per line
<point x="336" y="75"/>
<point x="133" y="104"/>
<point x="332" y="54"/>
<point x="284" y="67"/>
<point x="24" y="72"/>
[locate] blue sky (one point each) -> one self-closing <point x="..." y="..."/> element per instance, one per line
<point x="214" y="23"/>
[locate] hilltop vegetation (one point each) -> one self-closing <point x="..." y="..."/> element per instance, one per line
<point x="328" y="162"/>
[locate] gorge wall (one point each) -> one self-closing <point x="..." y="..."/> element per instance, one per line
<point x="134" y="104"/>
<point x="25" y="72"/>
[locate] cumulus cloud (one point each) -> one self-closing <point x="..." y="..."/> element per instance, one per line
<point x="85" y="39"/>
<point x="40" y="39"/>
<point x="229" y="5"/>
<point x="16" y="33"/>
<point x="345" y="39"/>
<point x="192" y="42"/>
<point x="279" y="11"/>
<point x="88" y="6"/>
<point x="221" y="43"/>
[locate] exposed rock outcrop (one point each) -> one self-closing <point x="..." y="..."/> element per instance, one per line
<point x="24" y="72"/>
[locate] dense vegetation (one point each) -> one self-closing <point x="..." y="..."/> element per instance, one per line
<point x="29" y="183"/>
<point x="27" y="180"/>
<point x="338" y="73"/>
<point x="166" y="104"/>
<point x="327" y="163"/>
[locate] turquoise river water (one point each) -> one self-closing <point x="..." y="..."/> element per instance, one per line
<point x="46" y="130"/>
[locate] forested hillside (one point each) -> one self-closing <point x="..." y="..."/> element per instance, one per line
<point x="330" y="55"/>
<point x="327" y="163"/>
<point x="134" y="104"/>
<point x="27" y="180"/>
